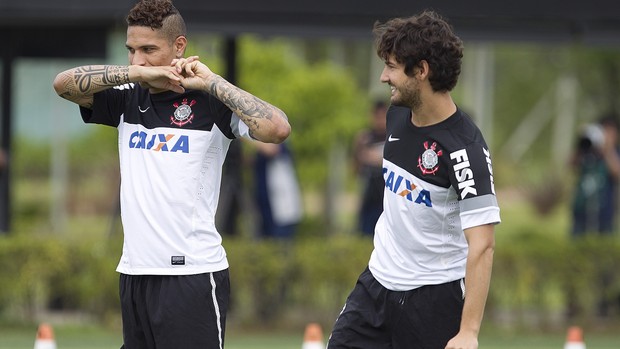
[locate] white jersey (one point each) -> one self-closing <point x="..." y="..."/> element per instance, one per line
<point x="438" y="182"/>
<point x="171" y="151"/>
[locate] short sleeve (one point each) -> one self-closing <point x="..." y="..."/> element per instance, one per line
<point x="472" y="179"/>
<point x="239" y="128"/>
<point x="108" y="106"/>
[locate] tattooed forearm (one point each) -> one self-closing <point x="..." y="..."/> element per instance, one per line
<point x="66" y="88"/>
<point x="79" y="84"/>
<point x="241" y="102"/>
<point x="249" y="108"/>
<point x="93" y="77"/>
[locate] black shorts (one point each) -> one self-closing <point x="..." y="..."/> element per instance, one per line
<point x="375" y="317"/>
<point x="174" y="311"/>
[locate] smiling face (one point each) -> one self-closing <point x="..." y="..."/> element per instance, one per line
<point x="405" y="90"/>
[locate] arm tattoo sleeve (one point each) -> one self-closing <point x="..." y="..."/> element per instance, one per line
<point x="248" y="107"/>
<point x="90" y="79"/>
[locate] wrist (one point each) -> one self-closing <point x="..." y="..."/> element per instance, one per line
<point x="135" y="73"/>
<point x="211" y="82"/>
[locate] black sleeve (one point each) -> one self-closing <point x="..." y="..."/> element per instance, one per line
<point x="224" y="116"/>
<point x="471" y="173"/>
<point x="108" y="106"/>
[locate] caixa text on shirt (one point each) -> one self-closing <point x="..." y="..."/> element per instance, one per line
<point x="405" y="188"/>
<point x="159" y="142"/>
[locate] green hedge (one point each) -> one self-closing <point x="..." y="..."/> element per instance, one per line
<point x="276" y="283"/>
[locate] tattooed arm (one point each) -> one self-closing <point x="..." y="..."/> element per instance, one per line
<point x="266" y="122"/>
<point x="79" y="84"/>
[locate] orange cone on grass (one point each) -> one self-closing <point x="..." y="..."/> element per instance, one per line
<point x="313" y="337"/>
<point x="45" y="338"/>
<point x="574" y="338"/>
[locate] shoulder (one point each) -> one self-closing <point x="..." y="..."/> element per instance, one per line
<point x="463" y="131"/>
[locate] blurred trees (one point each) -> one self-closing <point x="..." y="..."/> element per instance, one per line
<point x="324" y="104"/>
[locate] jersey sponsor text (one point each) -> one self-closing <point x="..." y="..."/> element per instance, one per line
<point x="464" y="174"/>
<point x="159" y="142"/>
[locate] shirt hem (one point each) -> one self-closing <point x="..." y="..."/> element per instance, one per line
<point x="174" y="271"/>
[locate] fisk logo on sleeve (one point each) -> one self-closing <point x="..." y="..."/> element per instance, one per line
<point x="464" y="174"/>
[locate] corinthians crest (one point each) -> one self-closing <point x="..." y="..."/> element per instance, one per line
<point x="428" y="162"/>
<point x="183" y="114"/>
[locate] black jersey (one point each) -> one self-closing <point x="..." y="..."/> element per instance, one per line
<point x="438" y="182"/>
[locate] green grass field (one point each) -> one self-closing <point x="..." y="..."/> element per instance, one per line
<point x="97" y="338"/>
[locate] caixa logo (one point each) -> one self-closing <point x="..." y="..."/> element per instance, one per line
<point x="159" y="142"/>
<point x="401" y="186"/>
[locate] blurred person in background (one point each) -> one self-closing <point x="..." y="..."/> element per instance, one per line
<point x="276" y="191"/>
<point x="175" y="121"/>
<point x="596" y="161"/>
<point x="368" y="164"/>
<point x="279" y="210"/>
<point x="428" y="277"/>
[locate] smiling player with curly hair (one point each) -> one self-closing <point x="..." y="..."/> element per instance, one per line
<point x="428" y="276"/>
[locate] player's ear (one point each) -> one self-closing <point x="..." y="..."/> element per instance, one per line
<point x="180" y="43"/>
<point x="423" y="70"/>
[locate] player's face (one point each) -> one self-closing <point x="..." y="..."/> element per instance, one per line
<point x="405" y="89"/>
<point x="148" y="47"/>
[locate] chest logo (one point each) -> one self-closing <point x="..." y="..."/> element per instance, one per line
<point x="428" y="162"/>
<point x="183" y="113"/>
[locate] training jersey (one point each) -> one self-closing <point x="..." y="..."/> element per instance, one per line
<point x="438" y="182"/>
<point x="171" y="151"/>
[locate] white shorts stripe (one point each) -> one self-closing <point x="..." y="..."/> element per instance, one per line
<point x="217" y="310"/>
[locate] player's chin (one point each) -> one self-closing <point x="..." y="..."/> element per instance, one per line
<point x="397" y="101"/>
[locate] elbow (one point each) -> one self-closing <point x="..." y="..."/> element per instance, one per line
<point x="57" y="85"/>
<point x="489" y="250"/>
<point x="281" y="129"/>
<point x="276" y="131"/>
<point x="281" y="133"/>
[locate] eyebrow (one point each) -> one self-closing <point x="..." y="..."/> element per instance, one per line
<point x="390" y="63"/>
<point x="141" y="47"/>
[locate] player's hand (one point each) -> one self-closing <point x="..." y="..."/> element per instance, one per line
<point x="463" y="341"/>
<point x="194" y="73"/>
<point x="165" y="78"/>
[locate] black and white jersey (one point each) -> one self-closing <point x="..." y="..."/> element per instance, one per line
<point x="171" y="150"/>
<point x="438" y="182"/>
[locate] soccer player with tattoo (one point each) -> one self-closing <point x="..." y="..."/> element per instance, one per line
<point x="175" y="121"/>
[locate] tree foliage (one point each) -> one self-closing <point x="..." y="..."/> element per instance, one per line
<point x="322" y="100"/>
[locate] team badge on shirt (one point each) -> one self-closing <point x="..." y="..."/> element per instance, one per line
<point x="183" y="114"/>
<point x="428" y="162"/>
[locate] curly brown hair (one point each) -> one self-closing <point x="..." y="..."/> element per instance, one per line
<point x="427" y="37"/>
<point x="158" y="15"/>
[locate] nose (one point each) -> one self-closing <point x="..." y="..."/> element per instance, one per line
<point x="137" y="58"/>
<point x="384" y="76"/>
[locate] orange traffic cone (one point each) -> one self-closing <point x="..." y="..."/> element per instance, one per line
<point x="313" y="337"/>
<point x="45" y="338"/>
<point x="574" y="338"/>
